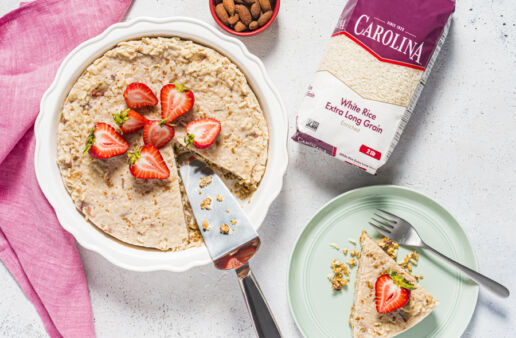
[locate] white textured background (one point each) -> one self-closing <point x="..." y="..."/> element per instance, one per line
<point x="459" y="148"/>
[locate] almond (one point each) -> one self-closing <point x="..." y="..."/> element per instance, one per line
<point x="244" y="14"/>
<point x="264" y="18"/>
<point x="222" y="14"/>
<point x="266" y="5"/>
<point x="240" y="27"/>
<point x="253" y="25"/>
<point x="256" y="10"/>
<point x="229" y="5"/>
<point x="249" y="2"/>
<point x="233" y="19"/>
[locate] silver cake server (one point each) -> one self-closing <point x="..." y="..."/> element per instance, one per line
<point x="234" y="249"/>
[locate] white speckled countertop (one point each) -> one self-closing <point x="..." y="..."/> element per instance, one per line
<point x="458" y="148"/>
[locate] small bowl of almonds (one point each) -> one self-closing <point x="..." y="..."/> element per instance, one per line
<point x="244" y="17"/>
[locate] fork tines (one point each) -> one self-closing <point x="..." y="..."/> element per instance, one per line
<point x="384" y="225"/>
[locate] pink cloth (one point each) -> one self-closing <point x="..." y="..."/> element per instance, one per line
<point x="38" y="252"/>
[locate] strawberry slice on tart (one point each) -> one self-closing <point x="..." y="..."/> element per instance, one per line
<point x="392" y="292"/>
<point x="147" y="163"/>
<point x="129" y="121"/>
<point x="138" y="95"/>
<point x="157" y="133"/>
<point x="105" y="142"/>
<point x="202" y="132"/>
<point x="176" y="100"/>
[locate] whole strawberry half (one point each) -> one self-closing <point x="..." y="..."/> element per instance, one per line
<point x="129" y="121"/>
<point x="157" y="133"/>
<point x="147" y="163"/>
<point x="176" y="100"/>
<point x="139" y="95"/>
<point x="104" y="142"/>
<point x="202" y="133"/>
<point x="392" y="292"/>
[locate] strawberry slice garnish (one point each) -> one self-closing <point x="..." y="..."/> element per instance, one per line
<point x="202" y="133"/>
<point x="392" y="292"/>
<point x="138" y="95"/>
<point x="176" y="100"/>
<point x="104" y="142"/>
<point x="147" y="163"/>
<point x="129" y="121"/>
<point x="157" y="133"/>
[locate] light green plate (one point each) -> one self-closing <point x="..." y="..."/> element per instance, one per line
<point x="321" y="312"/>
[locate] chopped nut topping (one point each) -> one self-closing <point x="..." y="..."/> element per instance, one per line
<point x="227" y="210"/>
<point x="205" y="181"/>
<point x="200" y="192"/>
<point x="219" y="198"/>
<point x="352" y="241"/>
<point x="206" y="203"/>
<point x="410" y="258"/>
<point x="335" y="246"/>
<point x="354" y="253"/>
<point x="390" y="247"/>
<point x="352" y="262"/>
<point x="345" y="251"/>
<point x="224" y="229"/>
<point x="205" y="225"/>
<point x="337" y="277"/>
<point x="233" y="221"/>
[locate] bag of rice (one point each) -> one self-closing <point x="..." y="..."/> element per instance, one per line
<point x="376" y="64"/>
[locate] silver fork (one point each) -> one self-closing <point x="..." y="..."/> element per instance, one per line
<point x="398" y="230"/>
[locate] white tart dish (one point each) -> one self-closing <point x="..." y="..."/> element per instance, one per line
<point x="47" y="171"/>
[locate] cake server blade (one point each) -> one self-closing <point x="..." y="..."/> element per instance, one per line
<point x="220" y="212"/>
<point x="232" y="250"/>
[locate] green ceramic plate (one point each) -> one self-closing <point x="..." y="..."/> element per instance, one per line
<point x="321" y="312"/>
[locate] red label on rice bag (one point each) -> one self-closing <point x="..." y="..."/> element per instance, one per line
<point x="370" y="152"/>
<point x="397" y="31"/>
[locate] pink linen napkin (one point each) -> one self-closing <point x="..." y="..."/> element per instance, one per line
<point x="38" y="252"/>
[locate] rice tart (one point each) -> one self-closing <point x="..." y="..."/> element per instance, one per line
<point x="155" y="213"/>
<point x="365" y="321"/>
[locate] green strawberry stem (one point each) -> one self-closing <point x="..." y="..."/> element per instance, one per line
<point x="180" y="87"/>
<point x="399" y="280"/>
<point x="165" y="122"/>
<point x="189" y="138"/>
<point x="122" y="117"/>
<point x="135" y="155"/>
<point x="90" y="140"/>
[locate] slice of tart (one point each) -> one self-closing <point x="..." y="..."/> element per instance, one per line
<point x="375" y="267"/>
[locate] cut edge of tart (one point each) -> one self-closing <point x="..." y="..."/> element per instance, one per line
<point x="364" y="318"/>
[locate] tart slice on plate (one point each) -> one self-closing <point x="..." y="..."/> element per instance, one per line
<point x="387" y="299"/>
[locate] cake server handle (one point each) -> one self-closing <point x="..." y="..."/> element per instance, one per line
<point x="263" y="321"/>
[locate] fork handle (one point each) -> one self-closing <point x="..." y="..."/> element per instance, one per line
<point x="488" y="283"/>
<point x="263" y="321"/>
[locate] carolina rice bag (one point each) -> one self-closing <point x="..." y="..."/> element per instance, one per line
<point x="376" y="64"/>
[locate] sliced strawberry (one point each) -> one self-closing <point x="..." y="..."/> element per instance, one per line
<point x="202" y="133"/>
<point x="104" y="142"/>
<point x="392" y="292"/>
<point x="129" y="121"/>
<point x="138" y="95"/>
<point x="157" y="133"/>
<point x="176" y="100"/>
<point x="147" y="162"/>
